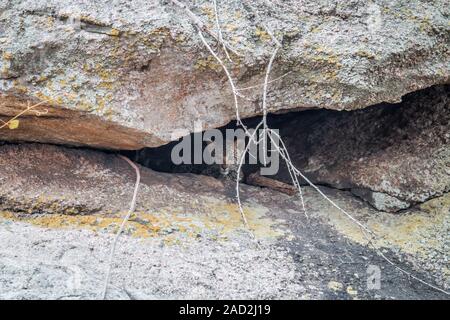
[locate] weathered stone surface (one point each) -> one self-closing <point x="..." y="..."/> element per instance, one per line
<point x="391" y="155"/>
<point x="138" y="68"/>
<point x="59" y="208"/>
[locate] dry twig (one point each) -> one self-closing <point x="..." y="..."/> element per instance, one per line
<point x="122" y="226"/>
<point x="29" y="108"/>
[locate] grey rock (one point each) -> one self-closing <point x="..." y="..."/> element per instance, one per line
<point x="381" y="201"/>
<point x="129" y="74"/>
<point x="393" y="156"/>
<point x="56" y="202"/>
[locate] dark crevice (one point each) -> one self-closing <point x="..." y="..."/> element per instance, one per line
<point x="340" y="139"/>
<point x="336" y="149"/>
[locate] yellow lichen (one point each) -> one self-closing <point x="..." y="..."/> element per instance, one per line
<point x="50" y="21"/>
<point x="208" y="11"/>
<point x="7" y="55"/>
<point x="228" y="218"/>
<point x="314" y="29"/>
<point x="262" y="34"/>
<point x="114" y="32"/>
<point x="106" y="85"/>
<point x="208" y="63"/>
<point x="230" y="27"/>
<point x="437" y="206"/>
<point x="352" y="291"/>
<point x="325" y="55"/>
<point x="41" y="78"/>
<point x="365" y="54"/>
<point x="222" y="217"/>
<point x="335" y="286"/>
<point x="405" y="231"/>
<point x="90" y="20"/>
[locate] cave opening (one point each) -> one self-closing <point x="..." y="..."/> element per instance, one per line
<point x="391" y="155"/>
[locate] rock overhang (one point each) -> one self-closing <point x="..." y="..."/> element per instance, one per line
<point x="140" y="70"/>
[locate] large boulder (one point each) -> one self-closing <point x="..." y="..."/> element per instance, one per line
<point x="126" y="74"/>
<point x="393" y="156"/>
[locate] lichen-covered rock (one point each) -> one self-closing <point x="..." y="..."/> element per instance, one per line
<point x="391" y="155"/>
<point x="60" y="209"/>
<point x="137" y="69"/>
<point x="43" y="180"/>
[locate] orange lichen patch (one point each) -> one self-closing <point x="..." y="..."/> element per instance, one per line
<point x="222" y="218"/>
<point x="92" y="222"/>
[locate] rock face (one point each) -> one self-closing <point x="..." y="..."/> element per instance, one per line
<point x="391" y="155"/>
<point x="137" y="69"/>
<point x="83" y="182"/>
<point x="59" y="208"/>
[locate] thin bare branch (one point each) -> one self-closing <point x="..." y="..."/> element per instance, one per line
<point x="219" y="31"/>
<point x="201" y="26"/>
<point x="122" y="226"/>
<point x="262" y="84"/>
<point x="27" y="109"/>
